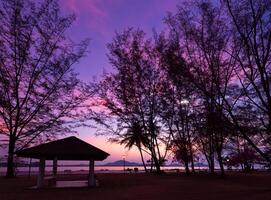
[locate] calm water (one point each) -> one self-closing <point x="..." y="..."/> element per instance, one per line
<point x="84" y="169"/>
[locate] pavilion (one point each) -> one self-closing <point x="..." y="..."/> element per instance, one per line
<point x="70" y="148"/>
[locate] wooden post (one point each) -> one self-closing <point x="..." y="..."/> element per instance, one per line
<point x="40" y="182"/>
<point x="55" y="167"/>
<point x="91" y="177"/>
<point x="29" y="168"/>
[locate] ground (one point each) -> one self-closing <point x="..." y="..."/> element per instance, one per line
<point x="241" y="186"/>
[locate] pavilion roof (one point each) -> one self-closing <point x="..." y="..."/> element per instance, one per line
<point x="70" y="148"/>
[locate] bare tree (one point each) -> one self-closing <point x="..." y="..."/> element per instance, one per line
<point x="39" y="91"/>
<point x="203" y="35"/>
<point x="177" y="99"/>
<point x="251" y="28"/>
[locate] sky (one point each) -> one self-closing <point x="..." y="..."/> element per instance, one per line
<point x="99" y="20"/>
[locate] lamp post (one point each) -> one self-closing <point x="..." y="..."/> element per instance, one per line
<point x="184" y="102"/>
<point x="123" y="157"/>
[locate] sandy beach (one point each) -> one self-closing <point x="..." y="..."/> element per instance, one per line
<point x="241" y="186"/>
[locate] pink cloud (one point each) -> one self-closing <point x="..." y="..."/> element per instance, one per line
<point x="91" y="13"/>
<point x="77" y="6"/>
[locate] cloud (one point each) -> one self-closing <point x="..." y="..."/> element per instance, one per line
<point x="104" y="17"/>
<point x="78" y="6"/>
<point x="90" y="13"/>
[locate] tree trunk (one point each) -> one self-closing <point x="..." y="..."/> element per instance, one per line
<point x="10" y="164"/>
<point x="220" y="161"/>
<point x="154" y="159"/>
<point x="156" y="162"/>
<point x="157" y="165"/>
<point x="142" y="159"/>
<point x="158" y="169"/>
<point x="212" y="166"/>
<point x="210" y="162"/>
<point x="192" y="163"/>
<point x="191" y="157"/>
<point x="187" y="171"/>
<point x="151" y="165"/>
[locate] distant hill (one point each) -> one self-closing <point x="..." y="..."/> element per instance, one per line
<point x="121" y="163"/>
<point x="181" y="165"/>
<point x="21" y="164"/>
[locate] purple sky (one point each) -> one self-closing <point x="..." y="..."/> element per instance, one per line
<point x="99" y="20"/>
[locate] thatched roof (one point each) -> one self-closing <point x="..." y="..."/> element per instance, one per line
<point x="70" y="148"/>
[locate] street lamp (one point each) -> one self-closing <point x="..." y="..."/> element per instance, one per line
<point x="184" y="102"/>
<point x="123" y="157"/>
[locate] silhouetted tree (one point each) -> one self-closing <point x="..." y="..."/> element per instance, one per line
<point x="130" y="93"/>
<point x="245" y="158"/>
<point x="176" y="100"/>
<point x="251" y="39"/>
<point x="38" y="88"/>
<point x="135" y="137"/>
<point x="215" y="56"/>
<point x="200" y="30"/>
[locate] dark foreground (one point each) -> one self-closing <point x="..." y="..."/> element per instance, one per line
<point x="140" y="186"/>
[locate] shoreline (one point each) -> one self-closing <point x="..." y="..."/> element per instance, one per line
<point x="128" y="170"/>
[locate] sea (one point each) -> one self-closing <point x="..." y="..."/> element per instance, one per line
<point x="98" y="169"/>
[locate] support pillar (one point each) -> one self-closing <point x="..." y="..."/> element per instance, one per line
<point x="55" y="167"/>
<point x="40" y="181"/>
<point x="29" y="168"/>
<point x="91" y="177"/>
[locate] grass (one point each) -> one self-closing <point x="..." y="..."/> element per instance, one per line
<point x="241" y="186"/>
